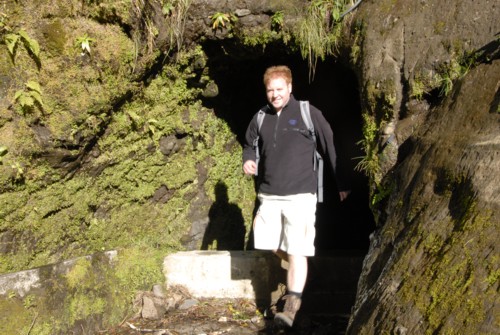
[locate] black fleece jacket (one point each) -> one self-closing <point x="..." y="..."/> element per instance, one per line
<point x="287" y="150"/>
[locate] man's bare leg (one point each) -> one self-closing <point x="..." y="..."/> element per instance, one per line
<point x="297" y="273"/>
<point x="296" y="281"/>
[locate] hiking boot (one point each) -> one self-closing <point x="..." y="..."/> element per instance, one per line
<point x="271" y="311"/>
<point x="292" y="306"/>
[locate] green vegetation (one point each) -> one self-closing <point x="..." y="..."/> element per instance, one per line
<point x="121" y="182"/>
<point x="148" y="31"/>
<point x="167" y="8"/>
<point x="418" y="88"/>
<point x="439" y="27"/>
<point x="12" y="41"/>
<point x="451" y="255"/>
<point x="381" y="193"/>
<point x="356" y="43"/>
<point x="444" y="78"/>
<point x="449" y="289"/>
<point x="319" y="32"/>
<point x="84" y="43"/>
<point x="30" y="97"/>
<point x="219" y="20"/>
<point x="101" y="287"/>
<point x="369" y="162"/>
<point x="3" y="24"/>
<point x="176" y="13"/>
<point x="454" y="70"/>
<point x="277" y="20"/>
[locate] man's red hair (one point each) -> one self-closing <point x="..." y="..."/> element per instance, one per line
<point x="280" y="71"/>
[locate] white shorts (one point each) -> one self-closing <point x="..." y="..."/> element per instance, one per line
<point x="286" y="223"/>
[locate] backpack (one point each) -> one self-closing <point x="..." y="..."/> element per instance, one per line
<point x="318" y="160"/>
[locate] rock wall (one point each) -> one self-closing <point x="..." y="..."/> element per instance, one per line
<point x="105" y="140"/>
<point x="58" y="298"/>
<point x="430" y="82"/>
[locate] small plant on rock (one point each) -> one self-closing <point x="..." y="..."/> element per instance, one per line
<point x="167" y="8"/>
<point x="19" y="170"/>
<point x="3" y="24"/>
<point x="370" y="162"/>
<point x="84" y="42"/>
<point x="449" y="73"/>
<point x="277" y="20"/>
<point x="418" y="89"/>
<point x="29" y="97"/>
<point x="12" y="41"/>
<point x="219" y="20"/>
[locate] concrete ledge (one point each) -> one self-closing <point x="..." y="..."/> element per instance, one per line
<point x="225" y="274"/>
<point x="38" y="279"/>
<point x="46" y="301"/>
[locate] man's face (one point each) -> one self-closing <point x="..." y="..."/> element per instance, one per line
<point x="278" y="93"/>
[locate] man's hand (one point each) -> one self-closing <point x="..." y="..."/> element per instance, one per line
<point x="249" y="167"/>
<point x="343" y="195"/>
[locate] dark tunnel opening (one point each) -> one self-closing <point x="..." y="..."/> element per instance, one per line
<point x="238" y="71"/>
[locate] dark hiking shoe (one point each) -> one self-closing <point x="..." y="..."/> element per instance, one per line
<point x="271" y="311"/>
<point x="292" y="306"/>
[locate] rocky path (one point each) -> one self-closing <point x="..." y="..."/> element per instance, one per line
<point x="227" y="316"/>
<point x="327" y="301"/>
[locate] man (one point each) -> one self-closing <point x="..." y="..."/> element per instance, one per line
<point x="287" y="181"/>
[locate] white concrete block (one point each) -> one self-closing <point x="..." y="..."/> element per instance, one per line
<point x="225" y="274"/>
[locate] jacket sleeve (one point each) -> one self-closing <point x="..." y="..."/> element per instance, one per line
<point x="326" y="146"/>
<point x="250" y="135"/>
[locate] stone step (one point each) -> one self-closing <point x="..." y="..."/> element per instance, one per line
<point x="252" y="275"/>
<point x="259" y="275"/>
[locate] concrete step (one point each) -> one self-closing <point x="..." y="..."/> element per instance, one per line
<point x="259" y="275"/>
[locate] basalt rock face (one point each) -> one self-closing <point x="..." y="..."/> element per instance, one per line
<point x="432" y="266"/>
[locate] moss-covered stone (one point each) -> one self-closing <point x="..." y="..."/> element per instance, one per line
<point x="54" y="34"/>
<point x="128" y="167"/>
<point x="94" y="292"/>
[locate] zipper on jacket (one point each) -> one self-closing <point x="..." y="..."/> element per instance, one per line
<point x="276" y="131"/>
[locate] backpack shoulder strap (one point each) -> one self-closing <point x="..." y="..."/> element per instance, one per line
<point x="318" y="160"/>
<point x="260" y="118"/>
<point x="306" y="116"/>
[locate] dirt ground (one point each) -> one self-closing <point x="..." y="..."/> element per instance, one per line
<point x="227" y="316"/>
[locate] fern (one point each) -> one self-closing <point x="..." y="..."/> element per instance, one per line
<point x="31" y="45"/>
<point x="34" y="86"/>
<point x="11" y="41"/>
<point x="219" y="20"/>
<point x="30" y="97"/>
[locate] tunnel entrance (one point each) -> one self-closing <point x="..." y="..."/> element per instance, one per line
<point x="238" y="71"/>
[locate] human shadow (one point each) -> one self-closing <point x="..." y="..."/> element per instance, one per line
<point x="226" y="232"/>
<point x="226" y="227"/>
